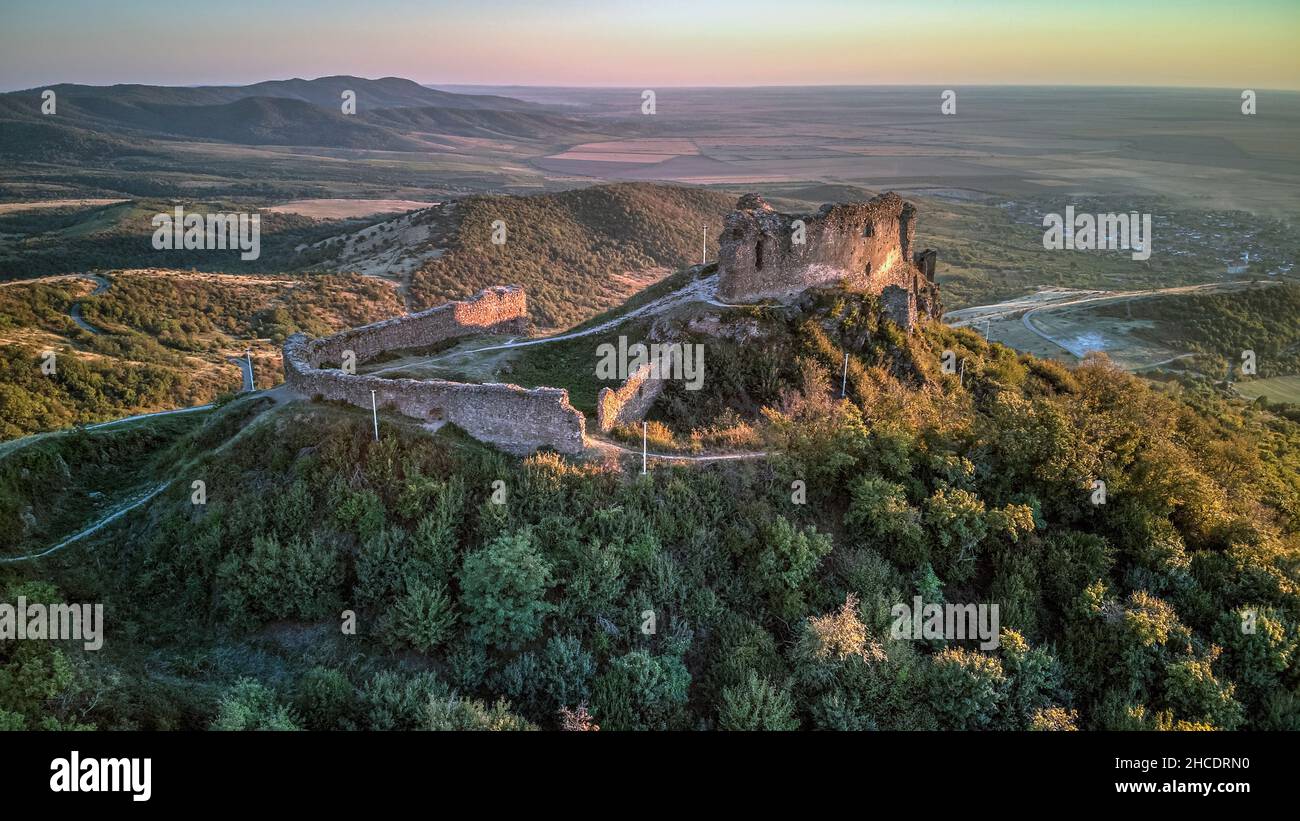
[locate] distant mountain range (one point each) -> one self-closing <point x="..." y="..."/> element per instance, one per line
<point x="392" y="114"/>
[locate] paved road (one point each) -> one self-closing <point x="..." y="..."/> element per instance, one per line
<point x="1026" y="318"/>
<point x="75" y="311"/>
<point x="246" y="369"/>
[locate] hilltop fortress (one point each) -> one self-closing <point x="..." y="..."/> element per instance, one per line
<point x="765" y="255"/>
<point x="517" y="420"/>
<point x="866" y="246"/>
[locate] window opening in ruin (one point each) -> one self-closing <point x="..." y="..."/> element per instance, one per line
<point x="758" y="255"/>
<point x="869" y="229"/>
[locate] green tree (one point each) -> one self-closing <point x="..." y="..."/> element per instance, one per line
<point x="422" y="619"/>
<point x="784" y="563"/>
<point x="757" y="705"/>
<point x="641" y="692"/>
<point x="503" y="589"/>
<point x="880" y="517"/>
<point x="249" y="705"/>
<point x="966" y="689"/>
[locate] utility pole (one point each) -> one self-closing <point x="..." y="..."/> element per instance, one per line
<point x="704" y="244"/>
<point x="374" y="410"/>
<point x="986" y="329"/>
<point x="252" y="381"/>
<point x="643" y="451"/>
<point x="844" y="379"/>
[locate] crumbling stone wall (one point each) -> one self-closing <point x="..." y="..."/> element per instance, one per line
<point x="516" y="419"/>
<point x="631" y="400"/>
<point x="503" y="309"/>
<point x="865" y="246"/>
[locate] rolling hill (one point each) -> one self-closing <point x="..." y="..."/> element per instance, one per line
<point x="577" y="253"/>
<point x="97" y="123"/>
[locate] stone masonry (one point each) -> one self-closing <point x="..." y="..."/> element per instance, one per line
<point x="631" y="400"/>
<point x="516" y="419"/>
<point x="864" y="246"/>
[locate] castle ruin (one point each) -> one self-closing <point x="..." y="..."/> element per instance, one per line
<point x="518" y="420"/>
<point x="631" y="400"/>
<point x="863" y="246"/>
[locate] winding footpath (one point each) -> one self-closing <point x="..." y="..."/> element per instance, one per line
<point x="116" y="514"/>
<point x="131" y="504"/>
<point x="601" y="443"/>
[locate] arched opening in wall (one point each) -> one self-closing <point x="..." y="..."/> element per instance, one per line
<point x="758" y="255"/>
<point x="868" y="269"/>
<point x="869" y="229"/>
<point x="436" y="415"/>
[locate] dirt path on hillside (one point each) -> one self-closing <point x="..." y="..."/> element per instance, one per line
<point x="131" y="504"/>
<point x="601" y="443"/>
<point x="117" y="513"/>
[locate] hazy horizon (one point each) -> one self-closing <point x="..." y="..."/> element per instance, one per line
<point x="438" y="85"/>
<point x="672" y="44"/>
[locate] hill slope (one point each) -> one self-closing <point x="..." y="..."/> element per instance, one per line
<point x="577" y="253"/>
<point x="771" y="611"/>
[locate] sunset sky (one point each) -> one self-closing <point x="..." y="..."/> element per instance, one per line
<point x="1248" y="44"/>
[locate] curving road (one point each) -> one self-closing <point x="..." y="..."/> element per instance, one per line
<point x="75" y="311"/>
<point x="1026" y="308"/>
<point x="246" y="368"/>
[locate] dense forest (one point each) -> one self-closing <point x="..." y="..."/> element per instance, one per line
<point x="491" y="592"/>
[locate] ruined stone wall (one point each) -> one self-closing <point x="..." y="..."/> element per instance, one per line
<point x="516" y="419"/>
<point x="502" y="309"/>
<point x="631" y="400"/>
<point x="864" y="246"/>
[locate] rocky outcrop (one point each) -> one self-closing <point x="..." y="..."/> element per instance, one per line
<point x="517" y="420"/>
<point x="865" y="246"/>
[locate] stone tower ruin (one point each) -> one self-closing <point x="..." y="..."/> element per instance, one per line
<point x="863" y="246"/>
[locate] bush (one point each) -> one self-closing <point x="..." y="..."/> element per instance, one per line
<point x="641" y="692"/>
<point x="248" y="705"/>
<point x="757" y="705"/>
<point x="503" y="588"/>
